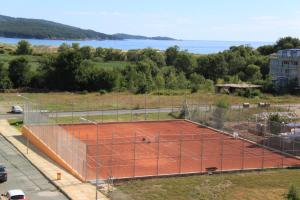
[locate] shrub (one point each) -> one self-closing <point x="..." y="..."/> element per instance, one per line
<point x="292" y="194"/>
<point x="102" y="92"/>
<point x="248" y="93"/>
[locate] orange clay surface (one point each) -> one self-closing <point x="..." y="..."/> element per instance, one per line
<point x="140" y="149"/>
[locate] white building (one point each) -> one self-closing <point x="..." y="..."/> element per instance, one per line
<point x="285" y="66"/>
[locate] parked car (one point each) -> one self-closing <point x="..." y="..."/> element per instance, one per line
<point x="3" y="173"/>
<point x="14" y="195"/>
<point x="16" y="109"/>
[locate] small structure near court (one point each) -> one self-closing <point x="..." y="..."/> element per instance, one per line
<point x="231" y="88"/>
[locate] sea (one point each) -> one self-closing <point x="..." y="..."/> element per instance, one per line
<point x="192" y="46"/>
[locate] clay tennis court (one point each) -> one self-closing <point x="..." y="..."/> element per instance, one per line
<point x="141" y="149"/>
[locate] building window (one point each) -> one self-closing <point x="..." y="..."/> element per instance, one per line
<point x="285" y="62"/>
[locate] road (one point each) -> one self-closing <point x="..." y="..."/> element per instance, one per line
<point x="23" y="175"/>
<point x="125" y="111"/>
<point x="98" y="113"/>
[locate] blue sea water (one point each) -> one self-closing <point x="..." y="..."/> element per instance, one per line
<point x="193" y="46"/>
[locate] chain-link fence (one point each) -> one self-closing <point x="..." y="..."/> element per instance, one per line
<point x="59" y="140"/>
<point x="252" y="124"/>
<point x="142" y="142"/>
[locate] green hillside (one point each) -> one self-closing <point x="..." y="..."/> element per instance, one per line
<point x="42" y="29"/>
<point x="11" y="27"/>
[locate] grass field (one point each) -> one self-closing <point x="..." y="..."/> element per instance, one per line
<point x="119" y="118"/>
<point x="66" y="101"/>
<point x="266" y="185"/>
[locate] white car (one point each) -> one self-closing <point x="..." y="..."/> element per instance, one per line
<point x="16" y="109"/>
<point x="14" y="195"/>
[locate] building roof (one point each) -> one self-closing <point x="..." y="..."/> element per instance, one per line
<point x="242" y="85"/>
<point x="15" y="192"/>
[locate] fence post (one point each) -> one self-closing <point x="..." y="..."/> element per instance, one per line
<point x="158" y="106"/>
<point x="145" y="106"/>
<point x="134" y="155"/>
<point x="243" y="154"/>
<point x="118" y="105"/>
<point x="111" y="153"/>
<point x="180" y="152"/>
<point x="222" y="149"/>
<point x="293" y="146"/>
<point x="102" y="110"/>
<point x="263" y="154"/>
<point x="158" y="143"/>
<point x="282" y="160"/>
<point x="202" y="149"/>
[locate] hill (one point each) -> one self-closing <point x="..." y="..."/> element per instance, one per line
<point x="42" y="29"/>
<point x="123" y="36"/>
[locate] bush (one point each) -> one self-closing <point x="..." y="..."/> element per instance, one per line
<point x="24" y="48"/>
<point x="83" y="92"/>
<point x="222" y="104"/>
<point x="102" y="92"/>
<point x="248" y="93"/>
<point x="276" y="122"/>
<point x="293" y="194"/>
<point x="219" y="113"/>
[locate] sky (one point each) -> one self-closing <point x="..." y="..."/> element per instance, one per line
<point x="219" y="20"/>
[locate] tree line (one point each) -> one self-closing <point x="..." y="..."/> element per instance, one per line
<point x="146" y="70"/>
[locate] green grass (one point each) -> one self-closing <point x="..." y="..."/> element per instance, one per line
<point x="33" y="60"/>
<point x="266" y="185"/>
<point x="67" y="101"/>
<point x="111" y="64"/>
<point x="17" y="123"/>
<point x="120" y="118"/>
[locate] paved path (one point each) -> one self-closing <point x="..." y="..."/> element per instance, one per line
<point x="71" y="186"/>
<point x="23" y="175"/>
<point x="98" y="113"/>
<point x="137" y="111"/>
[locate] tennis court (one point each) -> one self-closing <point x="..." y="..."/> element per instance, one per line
<point x="141" y="149"/>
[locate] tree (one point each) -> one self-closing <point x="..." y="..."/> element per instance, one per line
<point x="86" y="52"/>
<point x="24" y="48"/>
<point x="171" y="81"/>
<point x="185" y="62"/>
<point x="287" y="43"/>
<point x="196" y="81"/>
<point x="159" y="81"/>
<point x="171" y="55"/>
<point x="219" y="113"/>
<point x="154" y="55"/>
<point x="19" y="72"/>
<point x="252" y="73"/>
<point x="5" y="82"/>
<point x="266" y="50"/>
